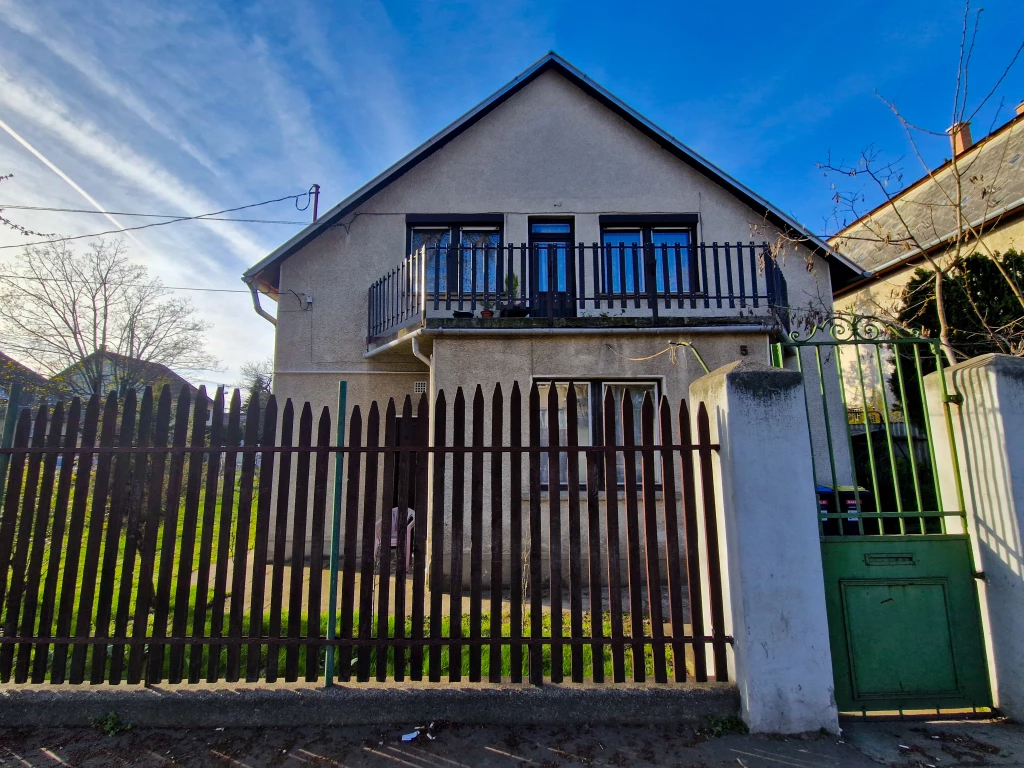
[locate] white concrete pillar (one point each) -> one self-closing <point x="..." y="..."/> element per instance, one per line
<point x="767" y="512"/>
<point x="988" y="428"/>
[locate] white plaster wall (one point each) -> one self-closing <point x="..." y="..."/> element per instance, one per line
<point x="989" y="432"/>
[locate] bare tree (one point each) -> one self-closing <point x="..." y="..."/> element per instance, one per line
<point x="962" y="204"/>
<point x="96" y="320"/>
<point x="257" y="378"/>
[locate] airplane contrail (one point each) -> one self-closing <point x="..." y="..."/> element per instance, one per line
<point x="45" y="161"/>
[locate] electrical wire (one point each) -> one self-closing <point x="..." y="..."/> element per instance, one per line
<point x="207" y="217"/>
<point x="34" y="278"/>
<point x="200" y="217"/>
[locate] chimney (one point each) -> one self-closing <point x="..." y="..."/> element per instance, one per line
<point x="960" y="136"/>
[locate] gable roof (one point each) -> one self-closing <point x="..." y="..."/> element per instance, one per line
<point x="266" y="273"/>
<point x="997" y="160"/>
<point x="149" y="373"/>
<point x="34" y="384"/>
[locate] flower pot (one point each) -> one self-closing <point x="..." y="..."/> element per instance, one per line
<point x="486" y="314"/>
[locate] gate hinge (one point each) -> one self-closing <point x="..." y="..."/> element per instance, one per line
<point x="979" y="575"/>
<point x="956" y="399"/>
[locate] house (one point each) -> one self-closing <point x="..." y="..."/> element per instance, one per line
<point x="991" y="174"/>
<point x="104" y="371"/>
<point x="594" y="238"/>
<point x="33" y="385"/>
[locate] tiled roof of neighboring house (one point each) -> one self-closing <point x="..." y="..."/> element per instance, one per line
<point x="34" y="385"/>
<point x="266" y="273"/>
<point x="996" y="162"/>
<point x="151" y="374"/>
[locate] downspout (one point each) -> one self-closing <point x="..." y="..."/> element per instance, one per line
<point x="256" y="304"/>
<point x="428" y="361"/>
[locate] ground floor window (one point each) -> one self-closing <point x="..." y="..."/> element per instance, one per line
<point x="589" y="422"/>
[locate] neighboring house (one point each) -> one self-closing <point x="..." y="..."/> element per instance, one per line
<point x="550" y="199"/>
<point x="991" y="174"/>
<point x="33" y="385"/>
<point x="108" y="371"/>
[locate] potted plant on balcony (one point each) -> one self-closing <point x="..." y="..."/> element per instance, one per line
<point x="488" y="311"/>
<point x="514" y="307"/>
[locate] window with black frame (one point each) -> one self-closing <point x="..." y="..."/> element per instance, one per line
<point x="627" y="250"/>
<point x="460" y="257"/>
<point x="590" y="395"/>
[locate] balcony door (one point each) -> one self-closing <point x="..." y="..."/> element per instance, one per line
<point x="553" y="289"/>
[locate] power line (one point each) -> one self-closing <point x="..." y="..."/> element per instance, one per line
<point x="200" y="217"/>
<point x="129" y="285"/>
<point x="206" y="217"/>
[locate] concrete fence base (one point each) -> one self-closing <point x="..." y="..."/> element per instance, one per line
<point x="382" y="704"/>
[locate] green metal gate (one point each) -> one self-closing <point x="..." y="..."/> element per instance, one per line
<point x="900" y="586"/>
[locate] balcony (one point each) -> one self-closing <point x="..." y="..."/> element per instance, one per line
<point x="546" y="285"/>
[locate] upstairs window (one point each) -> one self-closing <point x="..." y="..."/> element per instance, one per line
<point x="460" y="256"/>
<point x="625" y="249"/>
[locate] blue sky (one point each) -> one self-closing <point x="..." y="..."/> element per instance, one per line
<point x="190" y="107"/>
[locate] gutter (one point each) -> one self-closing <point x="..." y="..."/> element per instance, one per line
<point x="415" y="336"/>
<point x="256" y="304"/>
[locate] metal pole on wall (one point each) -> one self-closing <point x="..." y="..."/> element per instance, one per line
<point x="7" y="436"/>
<point x="332" y="609"/>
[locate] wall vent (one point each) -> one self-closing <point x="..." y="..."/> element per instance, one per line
<point x="419" y="388"/>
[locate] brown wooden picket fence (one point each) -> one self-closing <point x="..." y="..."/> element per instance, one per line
<point x="184" y="540"/>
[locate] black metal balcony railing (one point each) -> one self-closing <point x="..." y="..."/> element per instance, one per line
<point x="556" y="281"/>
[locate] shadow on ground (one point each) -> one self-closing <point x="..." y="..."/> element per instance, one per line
<point x="456" y="746"/>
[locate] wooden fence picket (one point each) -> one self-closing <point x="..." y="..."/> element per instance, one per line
<point x="135" y="550"/>
<point x="150" y="525"/>
<point x="515" y="526"/>
<point x="316" y="551"/>
<point x="213" y="461"/>
<point x="348" y="577"/>
<point x="440" y="463"/>
<point x="169" y="539"/>
<point x="120" y="508"/>
<point x="419" y="550"/>
<point x="612" y="533"/>
<point x="75" y="538"/>
<point x="189" y="527"/>
<point x="497" y="502"/>
<point x="299" y="519"/>
<point x="476" y="537"/>
<point x="457" y="548"/>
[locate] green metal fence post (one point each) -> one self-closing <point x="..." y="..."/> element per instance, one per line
<point x="332" y="612"/>
<point x="7" y="436"/>
<point x="332" y="609"/>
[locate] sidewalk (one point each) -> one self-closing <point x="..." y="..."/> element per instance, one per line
<point x="863" y="744"/>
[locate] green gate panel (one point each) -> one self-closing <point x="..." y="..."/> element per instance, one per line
<point x="904" y="623"/>
<point x="880" y="617"/>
